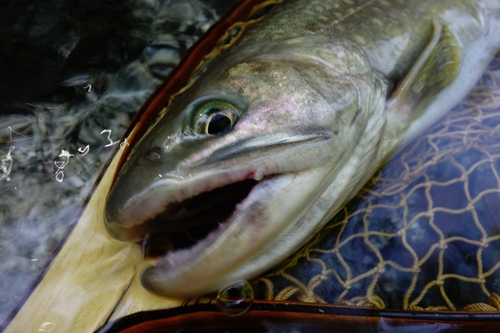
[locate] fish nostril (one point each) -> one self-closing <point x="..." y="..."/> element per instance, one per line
<point x="154" y="154"/>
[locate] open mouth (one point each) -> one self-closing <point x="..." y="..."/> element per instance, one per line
<point x="182" y="224"/>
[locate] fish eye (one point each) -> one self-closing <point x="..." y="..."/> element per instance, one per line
<point x="215" y="118"/>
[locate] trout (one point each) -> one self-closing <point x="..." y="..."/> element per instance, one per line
<point x="284" y="128"/>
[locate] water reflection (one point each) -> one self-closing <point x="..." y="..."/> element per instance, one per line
<point x="235" y="300"/>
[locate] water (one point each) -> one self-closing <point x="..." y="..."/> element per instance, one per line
<point x="236" y="299"/>
<point x="73" y="75"/>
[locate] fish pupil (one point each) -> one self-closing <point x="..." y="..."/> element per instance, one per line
<point x="219" y="124"/>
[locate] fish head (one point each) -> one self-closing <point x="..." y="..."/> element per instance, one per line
<point x="249" y="148"/>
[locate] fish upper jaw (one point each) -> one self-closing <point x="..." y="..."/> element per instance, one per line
<point x="127" y="222"/>
<point x="132" y="220"/>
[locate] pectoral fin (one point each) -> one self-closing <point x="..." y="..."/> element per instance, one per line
<point x="436" y="68"/>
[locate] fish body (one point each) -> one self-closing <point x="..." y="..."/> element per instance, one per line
<point x="281" y="131"/>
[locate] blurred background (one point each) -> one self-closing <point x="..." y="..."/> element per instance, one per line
<point x="72" y="75"/>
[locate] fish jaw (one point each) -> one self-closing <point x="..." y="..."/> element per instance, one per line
<point x="225" y="256"/>
<point x="133" y="220"/>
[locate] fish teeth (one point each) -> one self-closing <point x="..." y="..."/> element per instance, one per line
<point x="258" y="174"/>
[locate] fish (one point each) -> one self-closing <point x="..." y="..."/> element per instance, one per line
<point x="283" y="129"/>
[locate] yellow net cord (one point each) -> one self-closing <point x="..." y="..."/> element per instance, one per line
<point x="424" y="234"/>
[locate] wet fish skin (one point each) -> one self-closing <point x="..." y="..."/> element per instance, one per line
<point x="317" y="97"/>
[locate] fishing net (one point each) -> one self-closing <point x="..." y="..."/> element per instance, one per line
<point x="424" y="233"/>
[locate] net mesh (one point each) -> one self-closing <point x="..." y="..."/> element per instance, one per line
<point x="424" y="233"/>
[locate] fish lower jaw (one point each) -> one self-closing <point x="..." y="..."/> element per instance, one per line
<point x="166" y="277"/>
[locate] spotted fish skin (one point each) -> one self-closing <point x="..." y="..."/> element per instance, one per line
<point x="309" y="104"/>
